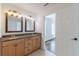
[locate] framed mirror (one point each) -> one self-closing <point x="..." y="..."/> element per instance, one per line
<point x="13" y="24"/>
<point x="29" y="25"/>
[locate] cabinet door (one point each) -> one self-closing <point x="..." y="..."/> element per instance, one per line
<point x="8" y="50"/>
<point x="28" y="45"/>
<point x="34" y="43"/>
<point x="38" y="42"/>
<point x="19" y="47"/>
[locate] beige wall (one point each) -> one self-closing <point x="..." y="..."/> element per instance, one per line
<point x="40" y="27"/>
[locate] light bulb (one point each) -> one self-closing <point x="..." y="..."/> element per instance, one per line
<point x="10" y="13"/>
<point x="27" y="17"/>
<point x="20" y="15"/>
<point x="14" y="14"/>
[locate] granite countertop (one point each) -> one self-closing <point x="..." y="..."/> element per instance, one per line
<point x="17" y="37"/>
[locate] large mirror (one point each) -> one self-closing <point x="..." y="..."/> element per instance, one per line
<point x="13" y="24"/>
<point x="29" y="25"/>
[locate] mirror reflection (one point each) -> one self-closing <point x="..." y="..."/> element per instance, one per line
<point x="14" y="24"/>
<point x="29" y="25"/>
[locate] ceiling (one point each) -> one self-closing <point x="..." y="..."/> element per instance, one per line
<point x="37" y="8"/>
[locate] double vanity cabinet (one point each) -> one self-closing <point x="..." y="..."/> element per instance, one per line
<point x="20" y="45"/>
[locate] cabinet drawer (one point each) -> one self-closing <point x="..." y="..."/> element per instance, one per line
<point x="28" y="50"/>
<point x="6" y="43"/>
<point x="38" y="36"/>
<point x="28" y="42"/>
<point x="19" y="40"/>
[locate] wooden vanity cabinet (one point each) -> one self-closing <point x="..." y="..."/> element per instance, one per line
<point x="20" y="46"/>
<point x="13" y="48"/>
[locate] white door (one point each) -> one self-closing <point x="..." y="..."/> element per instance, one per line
<point x="67" y="30"/>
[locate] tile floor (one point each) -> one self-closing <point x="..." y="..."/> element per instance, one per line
<point x="49" y="49"/>
<point x="42" y="52"/>
<point x="50" y="45"/>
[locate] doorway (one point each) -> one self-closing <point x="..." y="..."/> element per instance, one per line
<point x="50" y="32"/>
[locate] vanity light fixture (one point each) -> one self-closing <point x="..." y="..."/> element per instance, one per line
<point x="9" y="12"/>
<point x="19" y="16"/>
<point x="13" y="13"/>
<point x="29" y="18"/>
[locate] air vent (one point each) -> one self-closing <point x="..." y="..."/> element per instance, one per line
<point x="46" y="4"/>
